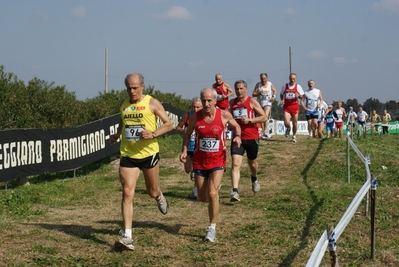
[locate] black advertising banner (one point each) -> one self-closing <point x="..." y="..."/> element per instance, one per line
<point x="174" y="115"/>
<point x="25" y="152"/>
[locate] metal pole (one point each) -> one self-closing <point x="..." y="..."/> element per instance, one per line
<point x="368" y="193"/>
<point x="106" y="70"/>
<point x="290" y="60"/>
<point x="348" y="163"/>
<point x="372" y="211"/>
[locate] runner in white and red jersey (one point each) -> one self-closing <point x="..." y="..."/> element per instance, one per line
<point x="289" y="95"/>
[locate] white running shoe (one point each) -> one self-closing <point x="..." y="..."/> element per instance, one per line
<point x="255" y="186"/>
<point x="163" y="205"/>
<point x="124" y="242"/>
<point x="210" y="234"/>
<point x="194" y="193"/>
<point x="234" y="196"/>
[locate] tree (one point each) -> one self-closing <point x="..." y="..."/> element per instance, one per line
<point x="372" y="104"/>
<point x="104" y="105"/>
<point x="352" y="103"/>
<point x="13" y="100"/>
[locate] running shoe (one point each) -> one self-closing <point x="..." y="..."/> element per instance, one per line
<point x="210" y="234"/>
<point x="124" y="242"/>
<point x="255" y="186"/>
<point x="293" y="139"/>
<point x="163" y="205"/>
<point x="234" y="196"/>
<point x="287" y="131"/>
<point x="194" y="193"/>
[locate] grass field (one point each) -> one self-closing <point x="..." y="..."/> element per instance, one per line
<point x="66" y="221"/>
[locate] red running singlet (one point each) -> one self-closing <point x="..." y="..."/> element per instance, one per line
<point x="248" y="131"/>
<point x="290" y="100"/>
<point x="221" y="102"/>
<point x="210" y="143"/>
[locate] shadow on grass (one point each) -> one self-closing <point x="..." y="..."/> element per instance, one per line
<point x="275" y="140"/>
<point x="317" y="203"/>
<point x="74" y="173"/>
<point x="89" y="233"/>
<point x="81" y="231"/>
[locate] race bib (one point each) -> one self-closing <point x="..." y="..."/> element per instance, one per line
<point x="209" y="144"/>
<point x="239" y="113"/>
<point x="329" y="120"/>
<point x="219" y="97"/>
<point x="264" y="97"/>
<point x="312" y="104"/>
<point x="290" y="95"/>
<point x="132" y="132"/>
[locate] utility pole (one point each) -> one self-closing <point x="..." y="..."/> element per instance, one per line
<point x="289" y="51"/>
<point x="106" y="70"/>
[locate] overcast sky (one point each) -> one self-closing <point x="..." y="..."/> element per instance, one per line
<point x="349" y="47"/>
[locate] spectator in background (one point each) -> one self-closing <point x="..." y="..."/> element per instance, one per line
<point x="290" y="93"/>
<point x="339" y="123"/>
<point x="223" y="91"/>
<point x="266" y="94"/>
<point x="196" y="105"/>
<point x="386" y="118"/>
<point x="139" y="150"/>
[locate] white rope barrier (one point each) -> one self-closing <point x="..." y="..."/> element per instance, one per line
<point x="321" y="246"/>
<point x="363" y="158"/>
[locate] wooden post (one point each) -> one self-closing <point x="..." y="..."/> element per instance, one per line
<point x="332" y="246"/>
<point x="372" y="211"/>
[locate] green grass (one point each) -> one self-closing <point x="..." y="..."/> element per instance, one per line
<point x="66" y="221"/>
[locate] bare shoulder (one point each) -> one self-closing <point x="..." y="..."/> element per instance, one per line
<point x="226" y="114"/>
<point x="254" y="102"/>
<point x="156" y="106"/>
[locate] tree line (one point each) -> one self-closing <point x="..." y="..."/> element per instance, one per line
<point x="42" y="104"/>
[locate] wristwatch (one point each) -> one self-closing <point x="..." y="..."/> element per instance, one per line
<point x="249" y="122"/>
<point x="154" y="135"/>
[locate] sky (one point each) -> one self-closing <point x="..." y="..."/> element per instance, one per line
<point x="350" y="48"/>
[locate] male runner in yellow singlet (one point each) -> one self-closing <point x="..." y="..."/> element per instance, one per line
<point x="139" y="150"/>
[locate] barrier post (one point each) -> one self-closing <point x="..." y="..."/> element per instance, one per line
<point x="372" y="211"/>
<point x="368" y="193"/>
<point x="348" y="167"/>
<point x="332" y="246"/>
